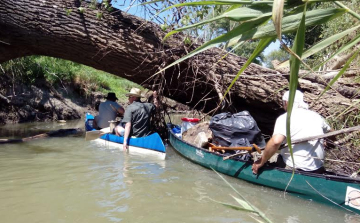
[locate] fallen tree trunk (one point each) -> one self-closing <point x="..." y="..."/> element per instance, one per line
<point x="130" y="47"/>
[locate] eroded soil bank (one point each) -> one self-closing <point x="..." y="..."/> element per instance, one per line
<point x="42" y="102"/>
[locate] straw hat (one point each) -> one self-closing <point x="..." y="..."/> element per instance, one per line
<point x="111" y="96"/>
<point x="136" y="92"/>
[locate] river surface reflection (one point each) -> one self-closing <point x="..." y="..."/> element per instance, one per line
<point x="71" y="180"/>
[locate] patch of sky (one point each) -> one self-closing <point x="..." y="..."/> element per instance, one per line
<point x="273" y="46"/>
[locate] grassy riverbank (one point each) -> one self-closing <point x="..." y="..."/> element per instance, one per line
<point x="58" y="72"/>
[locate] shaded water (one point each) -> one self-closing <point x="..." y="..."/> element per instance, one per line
<point x="71" y="180"/>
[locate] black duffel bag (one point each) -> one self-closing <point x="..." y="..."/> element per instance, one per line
<point x="232" y="130"/>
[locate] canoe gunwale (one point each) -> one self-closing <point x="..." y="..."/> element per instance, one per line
<point x="331" y="176"/>
<point x="135" y="146"/>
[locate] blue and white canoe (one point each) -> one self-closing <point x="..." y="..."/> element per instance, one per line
<point x="149" y="146"/>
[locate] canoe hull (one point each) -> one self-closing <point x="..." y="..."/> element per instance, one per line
<point x="150" y="146"/>
<point x="308" y="185"/>
<point x="133" y="150"/>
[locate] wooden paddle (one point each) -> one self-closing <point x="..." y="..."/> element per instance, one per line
<point x="333" y="133"/>
<point x="329" y="134"/>
<point x="91" y="135"/>
<point x="248" y="148"/>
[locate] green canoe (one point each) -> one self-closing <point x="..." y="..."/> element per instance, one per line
<point x="327" y="188"/>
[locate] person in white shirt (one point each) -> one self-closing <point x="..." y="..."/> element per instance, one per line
<point x="108" y="111"/>
<point x="304" y="123"/>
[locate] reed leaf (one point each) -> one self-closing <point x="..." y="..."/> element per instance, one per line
<point x="342" y="71"/>
<point x="238" y="14"/>
<point x="290" y="23"/>
<point x="277" y="15"/>
<point x="242" y="203"/>
<point x="322" y="45"/>
<point x="243" y="198"/>
<point x="351" y="12"/>
<point x="260" y="47"/>
<point x="219" y="2"/>
<point x="223" y="38"/>
<point x="352" y="43"/>
<point x="250" y="30"/>
<point x="239" y="208"/>
<point x="298" y="48"/>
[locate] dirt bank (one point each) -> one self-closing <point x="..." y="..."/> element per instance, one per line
<point x="20" y="102"/>
<point x="42" y="102"/>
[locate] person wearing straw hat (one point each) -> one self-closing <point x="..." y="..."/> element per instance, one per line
<point x="304" y="123"/>
<point x="108" y="110"/>
<point x="136" y="121"/>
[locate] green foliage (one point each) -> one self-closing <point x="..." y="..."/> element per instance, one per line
<point x="247" y="48"/>
<point x="81" y="10"/>
<point x="25" y="70"/>
<point x="57" y="70"/>
<point x="280" y="55"/>
<point x="91" y="79"/>
<point x="68" y="11"/>
<point x="187" y="41"/>
<point x="33" y="69"/>
<point x="99" y="15"/>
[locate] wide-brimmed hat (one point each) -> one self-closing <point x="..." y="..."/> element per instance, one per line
<point x="136" y="92"/>
<point x="111" y="96"/>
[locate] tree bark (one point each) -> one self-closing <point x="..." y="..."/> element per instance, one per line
<point x="130" y="47"/>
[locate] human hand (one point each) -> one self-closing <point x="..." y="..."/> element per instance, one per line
<point x="256" y="166"/>
<point x="125" y="146"/>
<point x="155" y="94"/>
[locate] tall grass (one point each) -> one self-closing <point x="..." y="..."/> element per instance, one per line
<point x="58" y="72"/>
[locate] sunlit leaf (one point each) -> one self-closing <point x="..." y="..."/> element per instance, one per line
<point x="351" y="12"/>
<point x="219" y="2"/>
<point x="277" y="15"/>
<point x="243" y="198"/>
<point x="322" y="45"/>
<point x="223" y="38"/>
<point x="298" y="48"/>
<point x="243" y="203"/>
<point x="349" y="45"/>
<point x="260" y="47"/>
<point x="234" y="206"/>
<point x="238" y="14"/>
<point x="291" y="23"/>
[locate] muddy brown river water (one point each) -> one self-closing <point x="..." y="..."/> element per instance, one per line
<point x="72" y="180"/>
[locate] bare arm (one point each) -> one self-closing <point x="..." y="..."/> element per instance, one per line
<point x="156" y="102"/>
<point x="126" y="135"/>
<point x="271" y="147"/>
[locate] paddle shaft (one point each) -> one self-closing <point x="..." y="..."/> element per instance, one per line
<point x="114" y="109"/>
<point x="333" y="133"/>
<point x="317" y="158"/>
<point x="91" y="135"/>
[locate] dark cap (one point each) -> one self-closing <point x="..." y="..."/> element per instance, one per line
<point x="111" y="96"/>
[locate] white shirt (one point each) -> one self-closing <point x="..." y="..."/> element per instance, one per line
<point x="107" y="112"/>
<point x="304" y="123"/>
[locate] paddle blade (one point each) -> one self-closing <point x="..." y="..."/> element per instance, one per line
<point x="91" y="135"/>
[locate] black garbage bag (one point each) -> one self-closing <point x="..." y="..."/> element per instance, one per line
<point x="233" y="130"/>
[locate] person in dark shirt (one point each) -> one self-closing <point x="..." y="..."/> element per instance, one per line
<point x="136" y="117"/>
